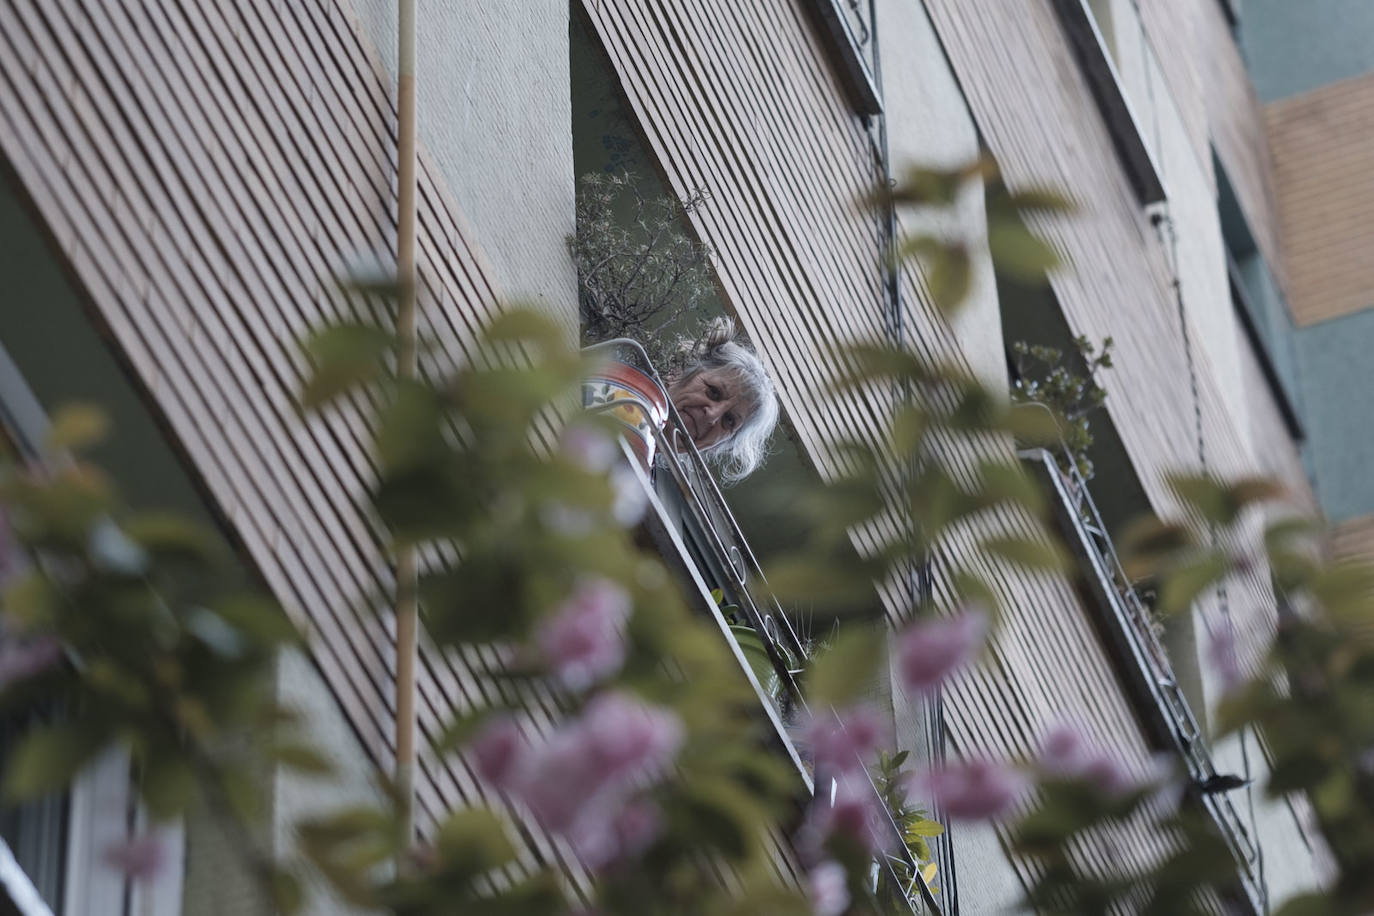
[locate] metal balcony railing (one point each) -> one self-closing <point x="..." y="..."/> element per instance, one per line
<point x="731" y="566"/>
<point x="1167" y="709"/>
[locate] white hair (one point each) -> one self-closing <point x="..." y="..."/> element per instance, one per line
<point x="744" y="451"/>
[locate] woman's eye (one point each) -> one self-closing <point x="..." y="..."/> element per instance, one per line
<point x="729" y="421"/>
<point x="713" y="392"/>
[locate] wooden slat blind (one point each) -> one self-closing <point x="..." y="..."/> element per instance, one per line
<point x="1038" y="119"/>
<point x="206" y="168"/>
<point x="739" y="98"/>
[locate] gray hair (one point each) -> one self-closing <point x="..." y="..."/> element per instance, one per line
<point x="721" y="348"/>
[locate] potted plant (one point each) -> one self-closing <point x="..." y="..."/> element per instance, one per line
<point x="641" y="282"/>
<point x="1045" y="375"/>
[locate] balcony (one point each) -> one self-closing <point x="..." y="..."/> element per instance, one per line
<point x="1148" y="675"/>
<point x="848" y="27"/>
<point x="690" y="524"/>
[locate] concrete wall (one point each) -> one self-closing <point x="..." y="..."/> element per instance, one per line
<point x="301" y="688"/>
<point x="929" y="124"/>
<point x="1292" y="47"/>
<point x="1191" y="187"/>
<point x="492" y="104"/>
<point x="47" y="332"/>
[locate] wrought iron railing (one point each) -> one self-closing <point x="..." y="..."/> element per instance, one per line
<point x="1138" y="640"/>
<point x="734" y="568"/>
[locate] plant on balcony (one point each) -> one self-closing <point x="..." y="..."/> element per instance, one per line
<point x="1045" y="375"/>
<point x="640" y="274"/>
<point x="646" y="764"/>
<point x="916" y="829"/>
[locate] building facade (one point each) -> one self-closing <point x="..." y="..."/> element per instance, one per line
<point x="185" y="178"/>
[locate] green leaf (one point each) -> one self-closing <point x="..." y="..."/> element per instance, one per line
<point x="302" y="758"/>
<point x="1040" y="555"/>
<point x="527" y="324"/>
<point x="1284" y="533"/>
<point x="865" y="363"/>
<point x="844" y="671"/>
<point x="822" y="585"/>
<point x="287" y="894"/>
<point x="167" y="784"/>
<point x="1038" y="200"/>
<point x="928" y="186"/>
<point x="1222" y="502"/>
<point x="949" y="276"/>
<point x="1189" y="579"/>
<point x="411" y="428"/>
<point x="170" y="535"/>
<point x="909" y="426"/>
<point x="924" y="828"/>
<point x="1004" y="482"/>
<point x="345" y="356"/>
<point x="48" y="757"/>
<point x="257" y="617"/>
<point x="31" y="600"/>
<point x="1318" y="904"/>
<point x="1019" y="253"/>
<point x="1345" y="589"/>
<point x="722" y="813"/>
<point x="77" y="426"/>
<point x="1031" y="424"/>
<point x="474" y="841"/>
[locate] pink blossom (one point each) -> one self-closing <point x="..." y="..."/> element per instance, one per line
<point x="1222" y="655"/>
<point x="564" y="782"/>
<point x="589" y="448"/>
<point x="498" y="752"/>
<point x="1063" y="751"/>
<point x="630" y="500"/>
<point x="1110" y="776"/>
<point x="584" y="640"/>
<point x="930" y="650"/>
<point x="20" y="660"/>
<point x="853" y="812"/>
<point x="976" y="790"/>
<point x="580" y="781"/>
<point x="631" y="738"/>
<point x="844" y="741"/>
<point x="600" y="842"/>
<point x="139" y="857"/>
<point x="827" y="886"/>
<point x="560" y="517"/>
<point x="1064" y="754"/>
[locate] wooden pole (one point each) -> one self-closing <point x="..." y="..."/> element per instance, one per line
<point x="407" y="611"/>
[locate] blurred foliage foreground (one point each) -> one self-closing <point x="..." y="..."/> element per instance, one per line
<point x="652" y="783"/>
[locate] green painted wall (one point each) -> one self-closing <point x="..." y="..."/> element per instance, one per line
<point x="1292" y="46"/>
<point x="1339" y="411"/>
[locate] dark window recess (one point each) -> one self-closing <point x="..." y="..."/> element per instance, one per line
<point x="1240" y="300"/>
<point x="1102" y="78"/>
<point x="849" y="30"/>
<point x="1263" y="317"/>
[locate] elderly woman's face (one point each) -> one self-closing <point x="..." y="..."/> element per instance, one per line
<point x="712" y="405"/>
